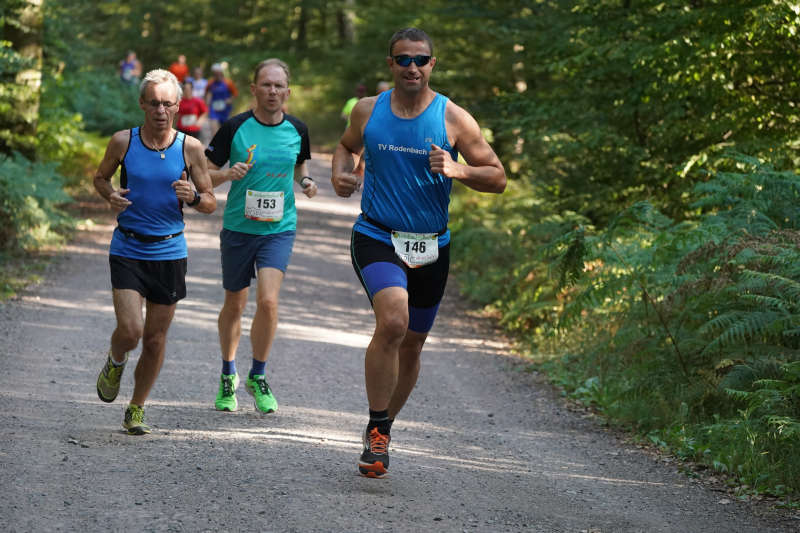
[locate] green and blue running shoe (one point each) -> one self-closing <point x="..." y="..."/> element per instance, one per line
<point x="108" y="380"/>
<point x="262" y="396"/>
<point x="134" y="420"/>
<point x="226" y="396"/>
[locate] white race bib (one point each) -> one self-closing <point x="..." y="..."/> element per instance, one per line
<point x="266" y="206"/>
<point x="188" y="120"/>
<point x="219" y="105"/>
<point x="416" y="249"/>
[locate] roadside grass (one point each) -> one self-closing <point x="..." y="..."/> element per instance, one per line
<point x="19" y="272"/>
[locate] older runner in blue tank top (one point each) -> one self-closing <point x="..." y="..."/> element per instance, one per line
<point x="411" y="137"/>
<point x="147" y="256"/>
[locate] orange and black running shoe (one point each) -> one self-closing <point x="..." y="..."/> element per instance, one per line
<point x="374" y="460"/>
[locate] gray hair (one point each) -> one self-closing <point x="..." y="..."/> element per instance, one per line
<point x="159" y="76"/>
<point x="271" y="62"/>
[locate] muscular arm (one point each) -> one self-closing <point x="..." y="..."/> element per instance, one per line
<point x="115" y="151"/>
<point x="483" y="172"/>
<point x="344" y="181"/>
<point x="198" y="170"/>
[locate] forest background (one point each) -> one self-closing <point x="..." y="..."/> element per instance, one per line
<point x="645" y="254"/>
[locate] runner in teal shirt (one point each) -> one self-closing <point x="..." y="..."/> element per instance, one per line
<point x="272" y="151"/>
<point x="266" y="150"/>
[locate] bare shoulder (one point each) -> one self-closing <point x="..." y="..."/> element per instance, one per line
<point x="118" y="144"/>
<point x="461" y="126"/>
<point x="365" y="105"/>
<point x="122" y="137"/>
<point x="115" y="153"/>
<point x="457" y="116"/>
<point x="193" y="146"/>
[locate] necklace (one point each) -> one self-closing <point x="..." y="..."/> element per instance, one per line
<point x="161" y="150"/>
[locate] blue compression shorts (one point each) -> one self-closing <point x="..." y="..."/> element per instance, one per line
<point x="378" y="267"/>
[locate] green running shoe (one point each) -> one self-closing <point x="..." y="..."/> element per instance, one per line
<point x="134" y="420"/>
<point x="226" y="396"/>
<point x="108" y="380"/>
<point x="262" y="395"/>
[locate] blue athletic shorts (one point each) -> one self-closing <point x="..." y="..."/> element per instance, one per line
<point x="378" y="267"/>
<point x="243" y="254"/>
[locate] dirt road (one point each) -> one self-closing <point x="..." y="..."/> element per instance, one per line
<point x="481" y="446"/>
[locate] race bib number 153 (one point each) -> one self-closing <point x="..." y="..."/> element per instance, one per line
<point x="265" y="206"/>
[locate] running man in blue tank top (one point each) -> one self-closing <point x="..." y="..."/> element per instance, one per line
<point x="267" y="151"/>
<point x="411" y="137"/>
<point x="148" y="249"/>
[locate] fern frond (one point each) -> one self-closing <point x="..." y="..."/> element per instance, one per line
<point x="741" y="331"/>
<point x="738" y="394"/>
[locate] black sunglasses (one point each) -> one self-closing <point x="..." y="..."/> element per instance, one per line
<point x="405" y="60"/>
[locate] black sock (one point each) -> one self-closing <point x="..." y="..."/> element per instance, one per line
<point x="380" y="420"/>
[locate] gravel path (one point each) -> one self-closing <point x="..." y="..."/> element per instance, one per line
<point x="481" y="445"/>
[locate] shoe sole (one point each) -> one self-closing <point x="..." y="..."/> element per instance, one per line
<point x="372" y="470"/>
<point x="138" y="431"/>
<point x="227" y="409"/>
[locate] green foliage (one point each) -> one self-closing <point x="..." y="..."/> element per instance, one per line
<point x="655" y="278"/>
<point x="30" y="195"/>
<point x="660" y="88"/>
<point x="11" y="94"/>
<point x="62" y="139"/>
<point x="103" y="103"/>
<point x="657" y="317"/>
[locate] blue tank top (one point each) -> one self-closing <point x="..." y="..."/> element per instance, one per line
<point x="126" y="71"/>
<point x="219" y="93"/>
<point x="400" y="191"/>
<point x="154" y="209"/>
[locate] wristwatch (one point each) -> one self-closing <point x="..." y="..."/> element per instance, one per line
<point x="195" y="201"/>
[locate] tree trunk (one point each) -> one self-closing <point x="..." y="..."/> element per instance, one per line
<point x="25" y="35"/>
<point x="302" y="30"/>
<point x="345" y="18"/>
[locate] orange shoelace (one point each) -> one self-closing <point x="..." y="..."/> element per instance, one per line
<point x="378" y="442"/>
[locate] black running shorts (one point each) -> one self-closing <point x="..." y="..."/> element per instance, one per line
<point x="161" y="282"/>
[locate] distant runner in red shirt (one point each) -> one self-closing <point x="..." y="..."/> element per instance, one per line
<point x="191" y="113"/>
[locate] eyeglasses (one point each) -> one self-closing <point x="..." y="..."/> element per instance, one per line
<point x="155" y="104"/>
<point x="405" y="60"/>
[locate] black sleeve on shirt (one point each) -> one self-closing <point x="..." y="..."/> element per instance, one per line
<point x="305" y="144"/>
<point x="219" y="149"/>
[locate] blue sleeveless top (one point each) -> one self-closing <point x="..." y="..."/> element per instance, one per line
<point x="154" y="209"/>
<point x="400" y="191"/>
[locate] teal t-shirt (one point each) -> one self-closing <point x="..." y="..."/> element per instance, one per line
<point x="254" y="202"/>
